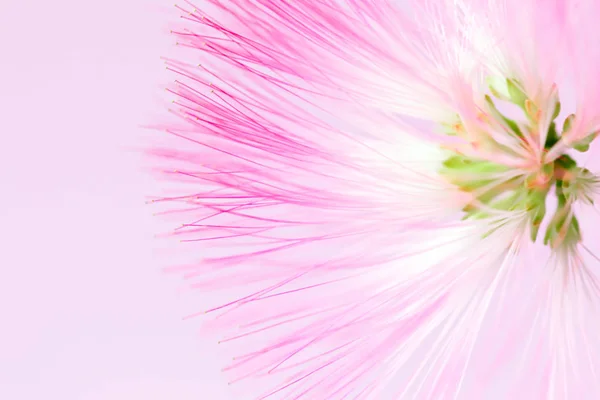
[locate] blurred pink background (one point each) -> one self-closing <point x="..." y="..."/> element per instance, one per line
<point x="86" y="313"/>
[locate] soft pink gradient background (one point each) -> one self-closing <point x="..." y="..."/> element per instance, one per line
<point x="85" y="311"/>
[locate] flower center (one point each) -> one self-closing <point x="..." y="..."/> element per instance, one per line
<point x="506" y="171"/>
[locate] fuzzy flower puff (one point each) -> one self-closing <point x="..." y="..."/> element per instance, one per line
<point x="396" y="192"/>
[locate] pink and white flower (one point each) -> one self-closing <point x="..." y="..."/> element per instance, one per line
<point x="400" y="194"/>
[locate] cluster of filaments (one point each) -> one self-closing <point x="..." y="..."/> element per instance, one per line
<point x="497" y="188"/>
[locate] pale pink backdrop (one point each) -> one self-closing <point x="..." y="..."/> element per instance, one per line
<point x="85" y="313"/>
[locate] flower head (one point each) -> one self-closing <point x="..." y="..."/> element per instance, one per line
<point x="402" y="194"/>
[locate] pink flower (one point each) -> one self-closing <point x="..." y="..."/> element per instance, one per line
<point x="399" y="196"/>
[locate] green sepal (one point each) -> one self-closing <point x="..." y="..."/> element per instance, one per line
<point x="498" y="87"/>
<point x="466" y="173"/>
<point x="517" y="95"/>
<point x="466" y="165"/>
<point x="552" y="137"/>
<point x="516" y="201"/>
<point x="514" y="127"/>
<point x="536" y="205"/>
<point x="537" y="216"/>
<point x="556" y="111"/>
<point x="566" y="162"/>
<point x="578" y="189"/>
<point x="553" y="233"/>
<point x="584" y="144"/>
<point x="568" y="123"/>
<point x="548" y="169"/>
